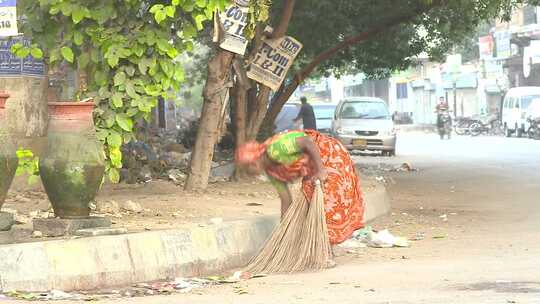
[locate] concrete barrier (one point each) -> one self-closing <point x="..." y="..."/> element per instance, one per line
<point x="107" y="261"/>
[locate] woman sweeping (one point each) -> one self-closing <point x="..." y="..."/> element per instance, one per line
<point x="311" y="156"/>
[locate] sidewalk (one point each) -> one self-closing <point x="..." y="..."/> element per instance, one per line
<point x="188" y="250"/>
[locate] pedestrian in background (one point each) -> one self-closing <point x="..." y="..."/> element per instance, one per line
<point x="307" y="115"/>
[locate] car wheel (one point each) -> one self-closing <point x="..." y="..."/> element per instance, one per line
<point x="519" y="131"/>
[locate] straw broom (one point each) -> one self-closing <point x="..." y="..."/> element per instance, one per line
<point x="300" y="242"/>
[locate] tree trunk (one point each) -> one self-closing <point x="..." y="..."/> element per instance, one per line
<point x="257" y="115"/>
<point x="215" y="92"/>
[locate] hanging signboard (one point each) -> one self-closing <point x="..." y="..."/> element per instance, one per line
<point x="273" y="60"/>
<point x="13" y="65"/>
<point x="485" y="44"/>
<point x="8" y="18"/>
<point x="502" y="43"/>
<point x="233" y="22"/>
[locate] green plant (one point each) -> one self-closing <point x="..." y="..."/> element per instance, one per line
<point x="28" y="164"/>
<point x="126" y="49"/>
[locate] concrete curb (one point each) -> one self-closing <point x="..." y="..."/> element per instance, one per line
<point x="106" y="261"/>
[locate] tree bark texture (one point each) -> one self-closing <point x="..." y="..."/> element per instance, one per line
<point x="215" y="92"/>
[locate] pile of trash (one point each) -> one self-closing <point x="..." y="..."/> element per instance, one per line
<point x="377" y="169"/>
<point x="367" y="237"/>
<point x="179" y="285"/>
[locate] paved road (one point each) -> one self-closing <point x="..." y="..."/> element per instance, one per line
<point x="489" y="190"/>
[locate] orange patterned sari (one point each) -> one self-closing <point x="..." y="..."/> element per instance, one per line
<point x="343" y="197"/>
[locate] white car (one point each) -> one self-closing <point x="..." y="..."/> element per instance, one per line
<point x="364" y="123"/>
<point x="515" y="107"/>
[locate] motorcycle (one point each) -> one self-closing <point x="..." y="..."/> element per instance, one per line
<point x="534" y="129"/>
<point x="444" y="125"/>
<point x="462" y="125"/>
<point x="488" y="127"/>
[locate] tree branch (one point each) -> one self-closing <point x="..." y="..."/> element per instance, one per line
<point x="286" y="16"/>
<point x="299" y="77"/>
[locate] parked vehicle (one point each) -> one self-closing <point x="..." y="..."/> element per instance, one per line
<point x="324" y="114"/>
<point x="515" y="107"/>
<point x="534" y="128"/>
<point x="285" y="118"/>
<point x="364" y="123"/>
<point x="533" y="119"/>
<point x="462" y="125"/>
<point x="488" y="126"/>
<point x="445" y="126"/>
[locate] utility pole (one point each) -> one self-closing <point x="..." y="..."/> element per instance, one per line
<point x="455" y="99"/>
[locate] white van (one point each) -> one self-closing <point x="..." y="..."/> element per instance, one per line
<point x="514" y="110"/>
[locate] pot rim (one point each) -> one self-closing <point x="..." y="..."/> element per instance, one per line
<point x="4" y="95"/>
<point x="71" y="103"/>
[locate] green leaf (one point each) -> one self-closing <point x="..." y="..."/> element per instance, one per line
<point x="116" y="157"/>
<point x="124" y="122"/>
<point x="156" y="7"/>
<point x="112" y="60"/>
<point x="160" y="16"/>
<point x="120" y="78"/>
<point x="167" y="67"/>
<point x="114" y="175"/>
<point x="132" y="112"/>
<point x="163" y="45"/>
<point x="102" y="134"/>
<point x="78" y="38"/>
<point x="54" y="56"/>
<point x="36" y="53"/>
<point x="199" y="19"/>
<point x="153" y="90"/>
<point x="176" y="2"/>
<point x="201" y="3"/>
<point x="130" y="70"/>
<point x="84" y="59"/>
<point x="54" y="10"/>
<point x="117" y="100"/>
<point x="138" y="50"/>
<point x="67" y="53"/>
<point x="23" y="52"/>
<point x="100" y="78"/>
<point x="130" y="90"/>
<point x="179" y="73"/>
<point x="172" y="53"/>
<point x="15" y="47"/>
<point x="78" y="14"/>
<point x="66" y="8"/>
<point x="170" y="11"/>
<point x="189" y="31"/>
<point x="114" y="139"/>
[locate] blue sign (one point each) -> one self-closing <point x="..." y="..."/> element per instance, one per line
<point x="13" y="65"/>
<point x="7" y="3"/>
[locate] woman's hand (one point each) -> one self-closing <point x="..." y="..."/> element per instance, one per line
<point x="320" y="175"/>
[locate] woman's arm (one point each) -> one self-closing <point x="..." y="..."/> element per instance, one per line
<point x="306" y="144"/>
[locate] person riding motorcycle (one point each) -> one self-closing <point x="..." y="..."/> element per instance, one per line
<point x="442" y="109"/>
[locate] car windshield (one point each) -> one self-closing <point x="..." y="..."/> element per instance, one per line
<point x="325" y="112"/>
<point x="534" y="108"/>
<point x="364" y="110"/>
<point x="527" y="100"/>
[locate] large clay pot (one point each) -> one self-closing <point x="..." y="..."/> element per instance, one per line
<point x="8" y="157"/>
<point x="72" y="168"/>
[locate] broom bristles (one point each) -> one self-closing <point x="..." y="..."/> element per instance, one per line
<point x="300" y="242"/>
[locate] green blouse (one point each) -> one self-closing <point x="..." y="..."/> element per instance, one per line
<point x="284" y="150"/>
